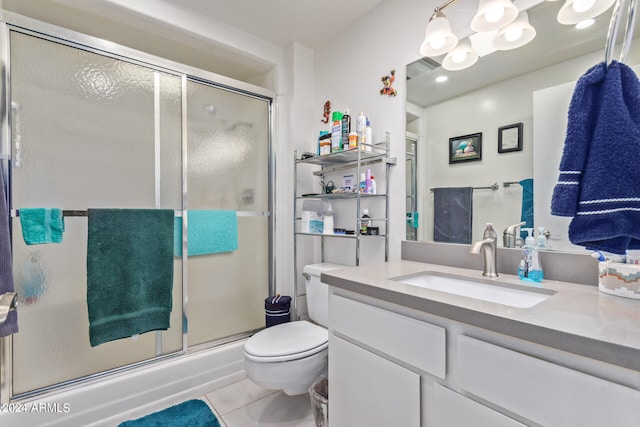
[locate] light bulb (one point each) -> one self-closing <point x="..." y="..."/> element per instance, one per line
<point x="494" y="14"/>
<point x="437" y="41"/>
<point x="442" y="79"/>
<point x="513" y="33"/>
<point x="583" y="5"/>
<point x="458" y="56"/>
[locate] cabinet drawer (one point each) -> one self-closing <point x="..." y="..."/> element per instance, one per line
<point x="450" y="409"/>
<point x="543" y="392"/>
<point x="412" y="341"/>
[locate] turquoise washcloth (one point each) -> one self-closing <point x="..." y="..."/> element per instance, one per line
<point x="41" y="225"/>
<point x="209" y="232"/>
<point x="129" y="272"/>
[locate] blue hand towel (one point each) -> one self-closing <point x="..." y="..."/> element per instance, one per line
<point x="10" y="326"/>
<point x="599" y="168"/>
<point x="129" y="272"/>
<point x="452" y="214"/>
<point x="209" y="232"/>
<point x="41" y="225"/>
<point x="526" y="213"/>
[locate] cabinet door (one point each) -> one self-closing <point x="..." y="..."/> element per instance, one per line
<point x="368" y="390"/>
<point x="447" y="408"/>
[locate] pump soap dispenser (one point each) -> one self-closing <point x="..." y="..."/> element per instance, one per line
<point x="530" y="269"/>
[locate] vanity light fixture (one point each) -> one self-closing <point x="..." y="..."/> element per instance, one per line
<point x="516" y="34"/>
<point x="585" y="24"/>
<point x="574" y="11"/>
<point x="460" y="57"/>
<point x="438" y="37"/>
<point x="493" y="14"/>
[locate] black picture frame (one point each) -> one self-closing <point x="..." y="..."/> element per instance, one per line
<point x="510" y="138"/>
<point x="465" y="148"/>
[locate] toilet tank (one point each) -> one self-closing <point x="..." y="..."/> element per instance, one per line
<point x="318" y="292"/>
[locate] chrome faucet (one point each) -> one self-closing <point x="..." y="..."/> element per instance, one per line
<point x="510" y="237"/>
<point x="489" y="246"/>
<point x="8" y="302"/>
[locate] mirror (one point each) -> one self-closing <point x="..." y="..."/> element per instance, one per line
<point x="496" y="98"/>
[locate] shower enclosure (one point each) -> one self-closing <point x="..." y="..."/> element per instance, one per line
<point x="89" y="125"/>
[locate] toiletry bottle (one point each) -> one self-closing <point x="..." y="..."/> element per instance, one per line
<point x="336" y="132"/>
<point x="327" y="221"/>
<point x="368" y="132"/>
<point x="361" y="124"/>
<point x="530" y="269"/>
<point x="541" y="240"/>
<point x="364" y="221"/>
<point x="372" y="188"/>
<point x="353" y="140"/>
<point x="363" y="182"/>
<point x="346" y="129"/>
<point x="367" y="182"/>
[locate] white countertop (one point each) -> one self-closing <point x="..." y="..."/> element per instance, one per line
<point x="577" y="318"/>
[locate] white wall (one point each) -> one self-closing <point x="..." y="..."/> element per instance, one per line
<point x="348" y="72"/>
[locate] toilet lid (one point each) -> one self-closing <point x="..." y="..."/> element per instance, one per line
<point x="287" y="341"/>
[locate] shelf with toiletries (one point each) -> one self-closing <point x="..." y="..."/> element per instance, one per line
<point x="348" y="190"/>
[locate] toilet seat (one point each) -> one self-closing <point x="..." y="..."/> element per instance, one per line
<point x="287" y="341"/>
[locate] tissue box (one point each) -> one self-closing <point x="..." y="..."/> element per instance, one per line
<point x="619" y="279"/>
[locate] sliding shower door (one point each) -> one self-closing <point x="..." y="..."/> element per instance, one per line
<point x="228" y="143"/>
<point x="93" y="129"/>
<point x="88" y="131"/>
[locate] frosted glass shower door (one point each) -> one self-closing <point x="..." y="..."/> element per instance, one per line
<point x="88" y="131"/>
<point x="228" y="169"/>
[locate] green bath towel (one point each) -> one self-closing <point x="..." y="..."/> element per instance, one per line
<point x="129" y="272"/>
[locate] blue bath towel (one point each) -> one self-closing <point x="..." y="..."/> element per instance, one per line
<point x="599" y="172"/>
<point x="129" y="272"/>
<point x="209" y="232"/>
<point x="10" y="326"/>
<point x="41" y="225"/>
<point x="452" y="214"/>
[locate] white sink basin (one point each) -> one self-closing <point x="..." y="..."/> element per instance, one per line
<point x="497" y="292"/>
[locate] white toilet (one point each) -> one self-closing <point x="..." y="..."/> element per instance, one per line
<point x="290" y="356"/>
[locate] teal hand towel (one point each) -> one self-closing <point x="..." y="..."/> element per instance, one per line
<point x="209" y="232"/>
<point x="41" y="225"/>
<point x="129" y="272"/>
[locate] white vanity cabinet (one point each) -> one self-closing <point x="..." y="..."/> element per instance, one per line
<point x="389" y="365"/>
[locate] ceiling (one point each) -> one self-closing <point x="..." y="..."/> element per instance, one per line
<point x="282" y="22"/>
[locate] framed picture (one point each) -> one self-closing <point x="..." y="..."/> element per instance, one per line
<point x="465" y="148"/>
<point x="510" y="138"/>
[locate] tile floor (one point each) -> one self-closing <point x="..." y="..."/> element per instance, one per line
<point x="244" y="404"/>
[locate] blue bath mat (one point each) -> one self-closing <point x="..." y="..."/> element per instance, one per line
<point x="192" y="413"/>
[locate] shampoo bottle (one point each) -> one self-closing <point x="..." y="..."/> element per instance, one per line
<point x="327" y="221"/>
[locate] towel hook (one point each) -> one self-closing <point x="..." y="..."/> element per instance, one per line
<point x="613" y="31"/>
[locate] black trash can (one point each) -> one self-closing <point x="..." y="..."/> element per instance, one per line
<point x="277" y="310"/>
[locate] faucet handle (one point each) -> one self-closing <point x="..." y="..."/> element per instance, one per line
<point x="489" y="232"/>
